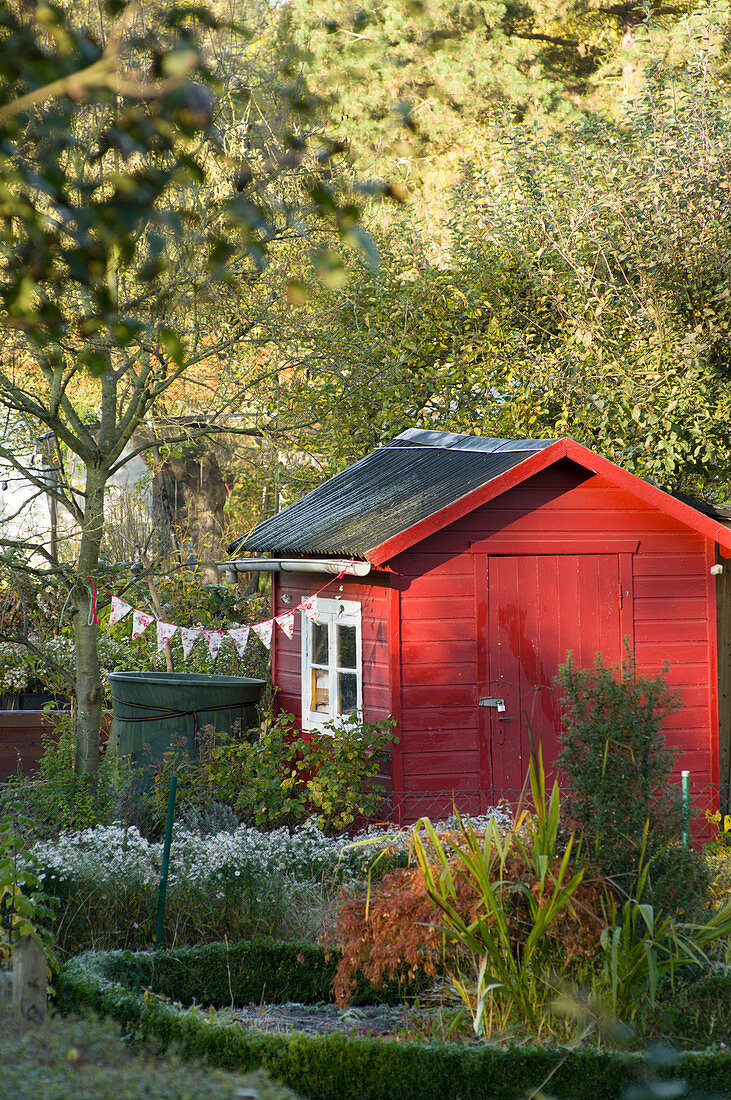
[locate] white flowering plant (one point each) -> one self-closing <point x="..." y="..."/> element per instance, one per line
<point x="230" y="884"/>
<point x="22" y="670"/>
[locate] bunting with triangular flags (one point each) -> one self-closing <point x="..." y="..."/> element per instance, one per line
<point x="214" y="639"/>
<point x="240" y="635"/>
<point x="119" y="610"/>
<point x="263" y="632"/>
<point x="140" y="622"/>
<point x="189" y="635"/>
<point x="165" y="632"/>
<point x="286" y="622"/>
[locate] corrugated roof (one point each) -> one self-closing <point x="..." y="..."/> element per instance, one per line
<point x="387" y="492"/>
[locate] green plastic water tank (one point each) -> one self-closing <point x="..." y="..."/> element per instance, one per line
<point x="152" y="708"/>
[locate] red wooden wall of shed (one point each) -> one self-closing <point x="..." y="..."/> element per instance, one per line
<point x="286" y="652"/>
<point x="674" y="621"/>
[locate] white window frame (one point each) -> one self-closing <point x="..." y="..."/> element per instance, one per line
<point x="330" y="612"/>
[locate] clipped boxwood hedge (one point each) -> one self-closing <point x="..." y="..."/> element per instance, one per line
<point x="247" y="972"/>
<point x="334" y="1067"/>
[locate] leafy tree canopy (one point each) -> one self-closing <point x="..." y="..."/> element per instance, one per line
<point x="447" y="69"/>
<point x="586" y="293"/>
<point x="148" y="172"/>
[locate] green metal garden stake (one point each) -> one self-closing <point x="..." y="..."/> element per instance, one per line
<point x="165" y="861"/>
<point x="685" y="792"/>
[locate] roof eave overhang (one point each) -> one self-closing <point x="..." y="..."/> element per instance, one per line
<point x="534" y="464"/>
<point x="333" y="566"/>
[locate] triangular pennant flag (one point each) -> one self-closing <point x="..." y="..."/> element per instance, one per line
<point x="240" y="635"/>
<point x="286" y="622"/>
<point x="189" y="635"/>
<point x="119" y="610"/>
<point x="140" y="622"/>
<point x="310" y="607"/>
<point x="213" y="640"/>
<point x="165" y="632"/>
<point x="263" y="632"/>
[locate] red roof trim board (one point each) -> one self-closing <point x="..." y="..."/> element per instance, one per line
<point x="541" y="460"/>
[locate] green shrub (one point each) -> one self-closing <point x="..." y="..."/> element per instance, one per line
<point x="25" y="907"/>
<point x="280" y="777"/>
<point x="248" y="972"/>
<point x="696" y="1012"/>
<point x="718" y="862"/>
<point x="644" y="950"/>
<point x="616" y="763"/>
<point x="55" y="798"/>
<point x="679" y="882"/>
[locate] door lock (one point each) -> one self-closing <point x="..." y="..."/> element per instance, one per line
<point x="491" y="701"/>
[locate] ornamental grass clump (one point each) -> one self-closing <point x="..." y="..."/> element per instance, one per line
<point x="502" y="912"/>
<point x="644" y="949"/>
<point x="531" y="921"/>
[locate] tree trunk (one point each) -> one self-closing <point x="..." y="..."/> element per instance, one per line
<point x="89" y="691"/>
<point x="196" y="489"/>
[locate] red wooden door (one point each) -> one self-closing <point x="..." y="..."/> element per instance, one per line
<point x="538" y="608"/>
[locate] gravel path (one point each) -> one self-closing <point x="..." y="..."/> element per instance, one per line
<point x="377" y="1021"/>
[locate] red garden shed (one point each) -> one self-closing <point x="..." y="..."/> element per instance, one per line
<point x="470" y="568"/>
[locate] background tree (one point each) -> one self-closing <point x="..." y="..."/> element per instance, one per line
<point x="452" y="68"/>
<point x="583" y="292"/>
<point x="126" y="214"/>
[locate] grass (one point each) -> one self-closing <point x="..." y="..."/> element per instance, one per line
<point x="57" y="1058"/>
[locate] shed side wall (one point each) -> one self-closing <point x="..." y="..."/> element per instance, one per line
<point x="373" y="598"/>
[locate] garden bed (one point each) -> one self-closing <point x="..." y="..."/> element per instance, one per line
<point x="369" y="1021"/>
<point x="127" y="986"/>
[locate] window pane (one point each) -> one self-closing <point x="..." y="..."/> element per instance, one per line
<point x="346" y="646"/>
<point x="321" y="690"/>
<point x="319" y="644"/>
<point x="348" y="689"/>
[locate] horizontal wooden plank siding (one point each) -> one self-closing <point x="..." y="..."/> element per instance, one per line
<point x="286" y="658"/>
<point x="439" y="729"/>
<point x="22" y="733"/>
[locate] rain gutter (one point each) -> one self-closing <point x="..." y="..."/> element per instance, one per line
<point x="334" y="566"/>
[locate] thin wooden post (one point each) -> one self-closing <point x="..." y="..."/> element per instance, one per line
<point x="30" y="977"/>
<point x="155" y="598"/>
